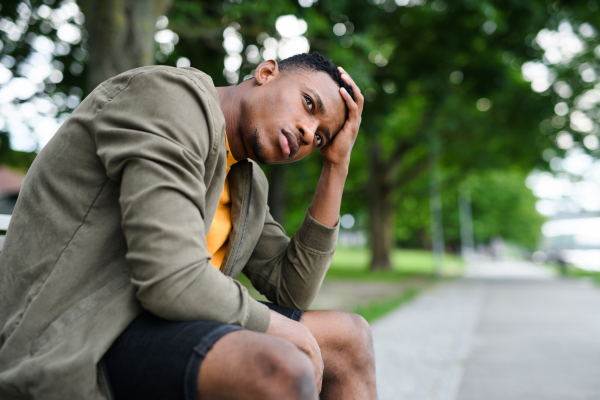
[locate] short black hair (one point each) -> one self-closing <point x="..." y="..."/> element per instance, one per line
<point x="315" y="62"/>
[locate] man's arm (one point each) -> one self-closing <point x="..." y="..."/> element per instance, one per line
<point x="326" y="202"/>
<point x="290" y="273"/>
<point x="325" y="209"/>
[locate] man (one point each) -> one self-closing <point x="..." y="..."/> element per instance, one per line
<point x="117" y="274"/>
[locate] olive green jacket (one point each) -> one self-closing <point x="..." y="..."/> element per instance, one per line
<point x="112" y="218"/>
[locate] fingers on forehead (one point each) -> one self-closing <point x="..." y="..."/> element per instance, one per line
<point x="348" y="79"/>
<point x="346" y="96"/>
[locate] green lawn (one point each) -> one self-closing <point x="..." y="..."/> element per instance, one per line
<point x="594" y="275"/>
<point x="372" y="311"/>
<point x="413" y="266"/>
<point x="580" y="273"/>
<point x="354" y="264"/>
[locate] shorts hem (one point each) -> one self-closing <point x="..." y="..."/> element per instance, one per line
<point x="197" y="357"/>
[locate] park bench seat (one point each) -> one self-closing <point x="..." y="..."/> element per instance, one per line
<point x="4" y="220"/>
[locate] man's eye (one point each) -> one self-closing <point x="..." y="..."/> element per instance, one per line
<point x="309" y="102"/>
<point x="319" y="140"/>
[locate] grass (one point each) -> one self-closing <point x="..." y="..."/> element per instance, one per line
<point x="574" y="272"/>
<point x="580" y="273"/>
<point x="378" y="309"/>
<point x="353" y="264"/>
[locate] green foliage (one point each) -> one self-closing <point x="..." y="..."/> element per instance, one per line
<point x="20" y="49"/>
<point x="504" y="206"/>
<point x="501" y="206"/>
<point x="570" y="73"/>
<point x="402" y="58"/>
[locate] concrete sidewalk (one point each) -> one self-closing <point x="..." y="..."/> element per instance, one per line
<point x="509" y="331"/>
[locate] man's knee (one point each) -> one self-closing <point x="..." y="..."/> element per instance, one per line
<point x="283" y="371"/>
<point x="355" y="334"/>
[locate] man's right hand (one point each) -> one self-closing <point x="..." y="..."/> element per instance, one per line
<point x="300" y="336"/>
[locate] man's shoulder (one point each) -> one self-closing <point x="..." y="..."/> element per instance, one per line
<point x="177" y="104"/>
<point x="196" y="79"/>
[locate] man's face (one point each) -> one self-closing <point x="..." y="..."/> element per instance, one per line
<point x="291" y="114"/>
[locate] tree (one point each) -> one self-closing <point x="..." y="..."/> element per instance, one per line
<point x="40" y="75"/>
<point x="436" y="71"/>
<point x="120" y="36"/>
<point x="44" y="48"/>
<point x="502" y="205"/>
<point x="441" y="74"/>
<point x="412" y="96"/>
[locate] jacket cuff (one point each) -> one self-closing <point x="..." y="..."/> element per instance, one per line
<point x="259" y="317"/>
<point x="317" y="236"/>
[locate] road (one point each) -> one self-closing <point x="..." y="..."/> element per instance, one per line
<point x="507" y="331"/>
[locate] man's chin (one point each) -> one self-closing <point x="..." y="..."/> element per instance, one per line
<point x="258" y="149"/>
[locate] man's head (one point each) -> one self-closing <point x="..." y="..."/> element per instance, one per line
<point x="293" y="108"/>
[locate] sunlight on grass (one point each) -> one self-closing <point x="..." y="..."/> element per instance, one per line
<point x="354" y="264"/>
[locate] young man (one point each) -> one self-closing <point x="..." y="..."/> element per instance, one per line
<point x="117" y="273"/>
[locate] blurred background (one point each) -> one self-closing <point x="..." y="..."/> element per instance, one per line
<point x="478" y="157"/>
<point x="480" y="128"/>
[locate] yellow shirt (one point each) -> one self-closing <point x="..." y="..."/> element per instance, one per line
<point x="217" y="238"/>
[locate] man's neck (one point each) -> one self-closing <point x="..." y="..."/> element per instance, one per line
<point x="230" y="99"/>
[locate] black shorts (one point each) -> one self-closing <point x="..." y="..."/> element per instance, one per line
<point x="159" y="359"/>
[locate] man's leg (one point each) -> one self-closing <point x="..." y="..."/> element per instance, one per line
<point x="249" y="365"/>
<point x="347" y="349"/>
<point x="159" y="359"/>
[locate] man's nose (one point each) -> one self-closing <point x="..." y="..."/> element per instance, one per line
<point x="307" y="132"/>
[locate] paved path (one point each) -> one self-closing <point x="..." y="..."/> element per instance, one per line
<point x="510" y="331"/>
<point x="344" y="295"/>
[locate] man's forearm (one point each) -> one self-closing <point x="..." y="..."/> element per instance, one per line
<point x="325" y="206"/>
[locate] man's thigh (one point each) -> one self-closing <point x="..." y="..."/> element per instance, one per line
<point x="157" y="359"/>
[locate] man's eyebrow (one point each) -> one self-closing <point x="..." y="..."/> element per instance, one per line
<point x="319" y="101"/>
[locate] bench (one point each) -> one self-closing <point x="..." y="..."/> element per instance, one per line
<point x="4" y="220"/>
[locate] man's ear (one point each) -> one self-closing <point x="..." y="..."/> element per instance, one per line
<point x="266" y="71"/>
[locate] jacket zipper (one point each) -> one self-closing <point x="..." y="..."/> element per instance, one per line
<point x="237" y="253"/>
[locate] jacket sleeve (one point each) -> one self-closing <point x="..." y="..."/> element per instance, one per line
<point x="154" y="137"/>
<point x="289" y="272"/>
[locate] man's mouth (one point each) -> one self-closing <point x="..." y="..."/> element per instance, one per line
<point x="288" y="143"/>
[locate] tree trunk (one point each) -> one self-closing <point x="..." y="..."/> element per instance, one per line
<point x="121" y="36"/>
<point x="381" y="212"/>
<point x="435" y="206"/>
<point x="467" y="243"/>
<point x="277" y="192"/>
